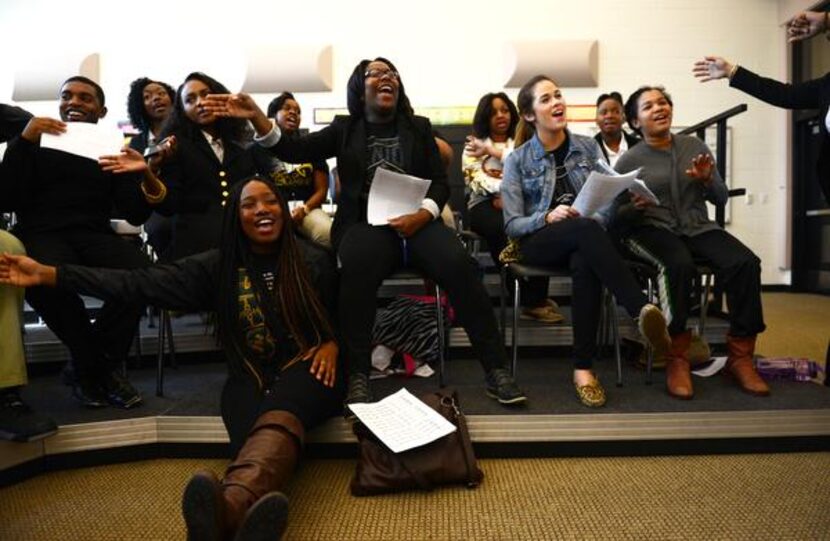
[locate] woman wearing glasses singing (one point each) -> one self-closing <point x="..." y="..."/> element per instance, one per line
<point x="381" y="131"/>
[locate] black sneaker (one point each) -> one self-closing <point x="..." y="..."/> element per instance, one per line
<point x="359" y="393"/>
<point x="19" y="423"/>
<point x="502" y="387"/>
<point x="88" y="392"/>
<point x="119" y="392"/>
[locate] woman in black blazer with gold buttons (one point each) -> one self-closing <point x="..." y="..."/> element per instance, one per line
<point x="211" y="154"/>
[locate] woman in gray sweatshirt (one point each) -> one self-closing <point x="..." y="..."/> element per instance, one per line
<point x="676" y="233"/>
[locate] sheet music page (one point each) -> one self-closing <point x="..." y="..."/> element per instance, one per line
<point x="402" y="421"/>
<point x="601" y="189"/>
<point x="85" y="139"/>
<point x="394" y="194"/>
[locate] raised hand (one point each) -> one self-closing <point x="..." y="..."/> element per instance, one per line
<point x="128" y="161"/>
<point x="231" y="105"/>
<point x="475" y="147"/>
<point x="39" y="125"/>
<point x="22" y="271"/>
<point x="805" y="25"/>
<point x="712" y="68"/>
<point x="324" y="362"/>
<point x="701" y="168"/>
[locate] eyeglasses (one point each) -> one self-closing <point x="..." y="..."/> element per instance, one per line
<point x="379" y="73"/>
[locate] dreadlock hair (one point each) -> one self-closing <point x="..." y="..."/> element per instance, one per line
<point x="237" y="130"/>
<point x="300" y="310"/>
<point x="277" y="103"/>
<point x="481" y="118"/>
<point x="135" y="102"/>
<point x="356" y="90"/>
<point x="524" y="101"/>
<point x="632" y="103"/>
<point x="99" y="92"/>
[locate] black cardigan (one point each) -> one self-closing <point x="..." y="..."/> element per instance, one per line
<point x="345" y="138"/>
<point x="813" y="94"/>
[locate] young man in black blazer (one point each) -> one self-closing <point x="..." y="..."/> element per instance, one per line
<point x="64" y="203"/>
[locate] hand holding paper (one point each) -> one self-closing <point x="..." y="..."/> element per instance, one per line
<point x="600" y="190"/>
<point x="86" y="139"/>
<point x="393" y="195"/>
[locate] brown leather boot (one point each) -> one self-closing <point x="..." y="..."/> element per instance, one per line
<point x="678" y="372"/>
<point x="263" y="465"/>
<point x="204" y="508"/>
<point x="739" y="365"/>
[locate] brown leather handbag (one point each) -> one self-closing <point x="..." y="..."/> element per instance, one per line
<point x="447" y="461"/>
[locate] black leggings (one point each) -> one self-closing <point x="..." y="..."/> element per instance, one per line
<point x="583" y="247"/>
<point x="368" y="254"/>
<point x="736" y="268"/>
<point x="488" y="221"/>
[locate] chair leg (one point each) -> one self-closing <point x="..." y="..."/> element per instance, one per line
<point x="163" y="315"/>
<point x="649" y="350"/>
<point x="171" y="345"/>
<point x="439" y="312"/>
<point x="704" y="305"/>
<point x="503" y="303"/>
<point x="614" y="325"/>
<point x="515" y="338"/>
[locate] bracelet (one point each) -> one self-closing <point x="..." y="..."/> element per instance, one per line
<point x="732" y="71"/>
<point x="154" y="199"/>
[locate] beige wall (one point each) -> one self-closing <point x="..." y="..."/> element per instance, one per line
<point x="449" y="53"/>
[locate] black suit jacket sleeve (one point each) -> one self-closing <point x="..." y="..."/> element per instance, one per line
<point x="813" y="94"/>
<point x="189" y="284"/>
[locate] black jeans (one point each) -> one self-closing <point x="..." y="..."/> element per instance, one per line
<point x="368" y="254"/>
<point x="488" y="221"/>
<point x="110" y="337"/>
<point x="583" y="247"/>
<point x="736" y="268"/>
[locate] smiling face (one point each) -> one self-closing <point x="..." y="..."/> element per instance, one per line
<point x="260" y="216"/>
<point x="549" y="107"/>
<point x="289" y="116"/>
<point x="79" y="103"/>
<point x="610" y="117"/>
<point x="499" y="120"/>
<point x="193" y="95"/>
<point x="654" y="113"/>
<point x="381" y="88"/>
<point x="156" y="102"/>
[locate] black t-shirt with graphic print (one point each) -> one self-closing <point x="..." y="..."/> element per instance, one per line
<point x="563" y="191"/>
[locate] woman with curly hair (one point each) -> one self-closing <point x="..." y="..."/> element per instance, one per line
<point x="268" y="289"/>
<point x="148" y="104"/>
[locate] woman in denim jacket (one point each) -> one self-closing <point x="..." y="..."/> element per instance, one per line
<point x="540" y="181"/>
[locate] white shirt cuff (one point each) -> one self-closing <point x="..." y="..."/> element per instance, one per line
<point x="271" y="138"/>
<point x="432" y="207"/>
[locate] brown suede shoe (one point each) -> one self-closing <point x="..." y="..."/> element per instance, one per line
<point x="678" y="371"/>
<point x="739" y="365"/>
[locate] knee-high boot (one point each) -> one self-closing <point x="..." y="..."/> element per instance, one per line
<point x="246" y="505"/>
<point x="678" y="371"/>
<point x="739" y="365"/>
<point x="263" y="466"/>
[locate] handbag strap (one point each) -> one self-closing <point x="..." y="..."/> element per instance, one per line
<point x="466" y="444"/>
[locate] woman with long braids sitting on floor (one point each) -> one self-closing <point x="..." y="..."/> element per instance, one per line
<point x="541" y="180"/>
<point x="382" y="131"/>
<point x="266" y="287"/>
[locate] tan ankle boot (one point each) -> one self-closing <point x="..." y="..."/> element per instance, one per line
<point x="739" y="365"/>
<point x="678" y="371"/>
<point x="263" y="466"/>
